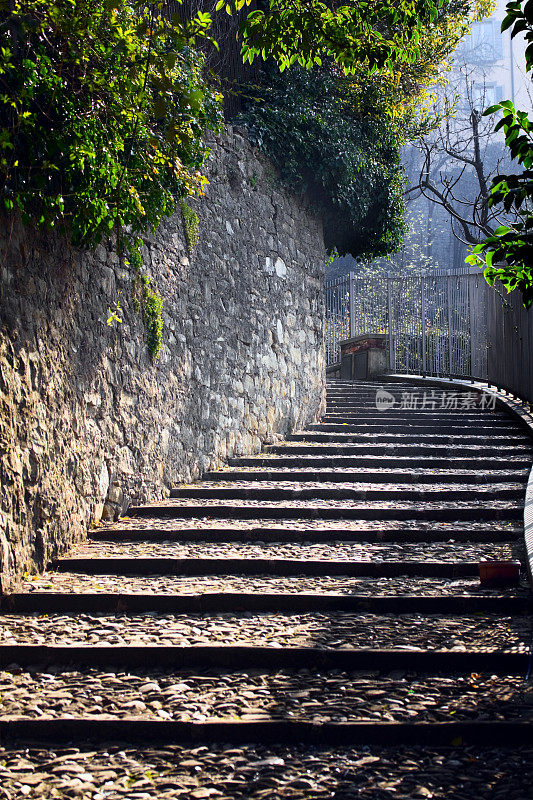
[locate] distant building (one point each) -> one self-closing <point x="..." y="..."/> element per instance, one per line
<point x="500" y="58"/>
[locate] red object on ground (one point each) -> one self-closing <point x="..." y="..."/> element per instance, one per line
<point x="499" y="573"/>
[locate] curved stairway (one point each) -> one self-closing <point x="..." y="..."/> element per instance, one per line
<point x="304" y="623"/>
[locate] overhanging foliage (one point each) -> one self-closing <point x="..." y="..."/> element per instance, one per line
<point x="102" y="110"/>
<point x="309" y="125"/>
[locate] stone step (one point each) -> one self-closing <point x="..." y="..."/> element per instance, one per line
<point x="444" y="400"/>
<point x="199" y="657"/>
<point x="223" y="566"/>
<point x="67" y="729"/>
<point x="497" y="415"/>
<point x="482" y="419"/>
<point x="421" y="449"/>
<point x="385" y="380"/>
<point x="368" y="408"/>
<point x="286" y="490"/>
<point x="334" y="509"/>
<point x="428" y="407"/>
<point x="433" y="392"/>
<point x="340" y="422"/>
<point x="344" y="424"/>
<point x="302" y="552"/>
<point x="431" y="381"/>
<point x="308" y="460"/>
<point x="332" y="392"/>
<point x="399" y="388"/>
<point x="434" y="395"/>
<point x="419" y="402"/>
<point x="341" y="434"/>
<point x="266" y="583"/>
<point x="256" y="772"/>
<point x="392" y="386"/>
<point x="332" y="630"/>
<point x="294" y="532"/>
<point x="298" y="693"/>
<point x="268" y="595"/>
<point x="340" y="475"/>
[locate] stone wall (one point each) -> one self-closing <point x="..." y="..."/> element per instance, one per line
<point x="84" y="413"/>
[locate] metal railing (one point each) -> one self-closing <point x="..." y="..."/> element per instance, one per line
<point x="436" y="321"/>
<point x="439" y="323"/>
<point x="509" y="342"/>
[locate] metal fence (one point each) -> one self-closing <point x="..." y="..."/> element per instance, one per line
<point x="509" y="342"/>
<point x="436" y="322"/>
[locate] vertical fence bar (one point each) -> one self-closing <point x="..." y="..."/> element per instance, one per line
<point x="392" y="365"/>
<point x="471" y="326"/>
<point x="449" y="309"/>
<point x="352" y="305"/>
<point x="423" y="312"/>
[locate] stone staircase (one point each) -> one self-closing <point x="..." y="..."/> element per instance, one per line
<point x="304" y="623"/>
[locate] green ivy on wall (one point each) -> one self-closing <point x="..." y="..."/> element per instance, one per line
<point x="103" y="107"/>
<point x="191" y="226"/>
<point x="146" y="301"/>
<point x="152" y="311"/>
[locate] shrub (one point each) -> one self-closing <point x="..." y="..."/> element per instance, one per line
<point x="310" y="126"/>
<point x="102" y="110"/>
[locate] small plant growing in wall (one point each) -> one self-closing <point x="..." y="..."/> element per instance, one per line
<point x="146" y="301"/>
<point x="152" y="308"/>
<point x="113" y="314"/>
<point x="191" y="225"/>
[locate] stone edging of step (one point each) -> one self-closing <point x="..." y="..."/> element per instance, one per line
<point x="208" y="602"/>
<point x="133" y="729"/>
<point x="517" y="409"/>
<point x="245" y="657"/>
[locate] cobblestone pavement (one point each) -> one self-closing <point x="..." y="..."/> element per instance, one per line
<point x="428" y="506"/>
<point x="305" y="694"/>
<point x="336" y="551"/>
<point x="418" y="491"/>
<point x="57" y="582"/>
<point x="397" y="485"/>
<point x="333" y="630"/>
<point x="111" y="532"/>
<point x="399" y="473"/>
<point x="254" y="772"/>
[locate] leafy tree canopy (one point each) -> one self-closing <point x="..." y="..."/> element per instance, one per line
<point x="310" y="126"/>
<point x="306" y="31"/>
<point x="336" y="133"/>
<point x="379" y="34"/>
<point x="102" y="110"/>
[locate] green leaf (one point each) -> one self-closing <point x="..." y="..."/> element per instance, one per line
<point x="491" y="109"/>
<point x="507" y="22"/>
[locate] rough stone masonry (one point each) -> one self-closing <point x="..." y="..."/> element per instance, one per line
<point x="88" y="423"/>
